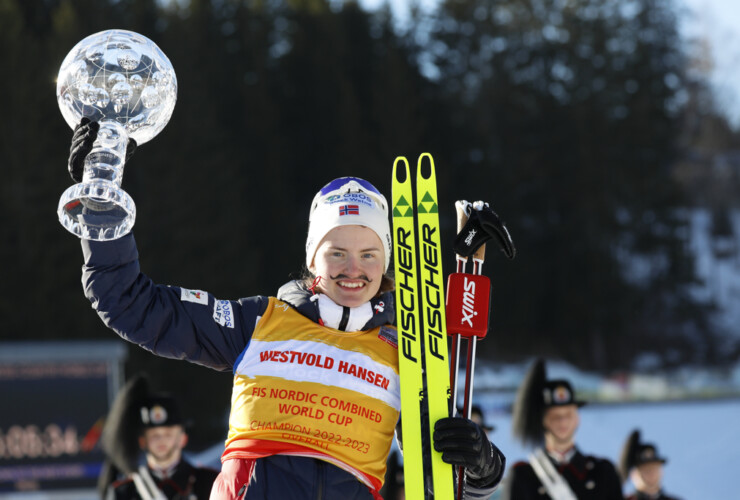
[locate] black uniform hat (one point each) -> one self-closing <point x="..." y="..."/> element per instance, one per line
<point x="159" y="410"/>
<point x="535" y="395"/>
<point x="559" y="393"/>
<point x="636" y="453"/>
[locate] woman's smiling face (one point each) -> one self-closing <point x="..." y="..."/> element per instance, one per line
<point x="350" y="262"/>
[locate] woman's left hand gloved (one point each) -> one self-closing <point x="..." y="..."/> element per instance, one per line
<point x="83" y="138"/>
<point x="464" y="444"/>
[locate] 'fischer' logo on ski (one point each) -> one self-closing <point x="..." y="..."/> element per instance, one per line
<point x="437" y="346"/>
<point x="406" y="290"/>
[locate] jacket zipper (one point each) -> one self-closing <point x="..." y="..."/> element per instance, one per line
<point x="320" y="479"/>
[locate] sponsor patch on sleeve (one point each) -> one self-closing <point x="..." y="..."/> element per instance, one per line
<point x="223" y="314"/>
<point x="389" y="336"/>
<point x="197" y="296"/>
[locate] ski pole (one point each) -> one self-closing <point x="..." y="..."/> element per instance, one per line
<point x="477" y="223"/>
<point x="478" y="258"/>
<point x="467" y="302"/>
<point x="468" y="295"/>
<point x="462" y="207"/>
<point x="467" y="315"/>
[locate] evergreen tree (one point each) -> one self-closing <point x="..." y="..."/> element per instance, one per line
<point x="572" y="111"/>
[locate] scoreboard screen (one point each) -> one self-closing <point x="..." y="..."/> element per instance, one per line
<point x="53" y="401"/>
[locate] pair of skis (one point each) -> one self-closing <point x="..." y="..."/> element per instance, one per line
<point x="424" y="316"/>
<point x="421" y="322"/>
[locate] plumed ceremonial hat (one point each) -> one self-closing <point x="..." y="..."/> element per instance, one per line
<point x="348" y="201"/>
<point x="135" y="409"/>
<point x="635" y="453"/>
<point x="535" y="395"/>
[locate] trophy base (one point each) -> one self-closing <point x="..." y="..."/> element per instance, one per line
<point x="97" y="210"/>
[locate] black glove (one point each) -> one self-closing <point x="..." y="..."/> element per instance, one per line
<point x="482" y="225"/>
<point x="464" y="444"/>
<point x="82" y="142"/>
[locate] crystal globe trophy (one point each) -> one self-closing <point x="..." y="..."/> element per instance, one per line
<point x="122" y="80"/>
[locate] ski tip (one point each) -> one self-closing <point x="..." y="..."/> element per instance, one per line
<point x="425" y="170"/>
<point x="400" y="173"/>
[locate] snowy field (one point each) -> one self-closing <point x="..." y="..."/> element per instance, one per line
<point x="700" y="439"/>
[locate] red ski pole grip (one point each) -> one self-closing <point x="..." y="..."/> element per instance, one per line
<point x="467" y="304"/>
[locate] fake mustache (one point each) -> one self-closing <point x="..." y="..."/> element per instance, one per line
<point x="344" y="276"/>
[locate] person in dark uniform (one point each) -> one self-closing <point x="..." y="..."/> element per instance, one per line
<point x="545" y="416"/>
<point x="643" y="465"/>
<point x="152" y="423"/>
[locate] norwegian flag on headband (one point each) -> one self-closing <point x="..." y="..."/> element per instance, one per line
<point x="349" y="210"/>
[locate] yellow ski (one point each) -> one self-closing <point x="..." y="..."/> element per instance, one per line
<point x="434" y="323"/>
<point x="408" y="324"/>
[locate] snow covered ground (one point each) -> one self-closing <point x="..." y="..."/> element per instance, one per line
<point x="701" y="440"/>
<point x="700" y="437"/>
